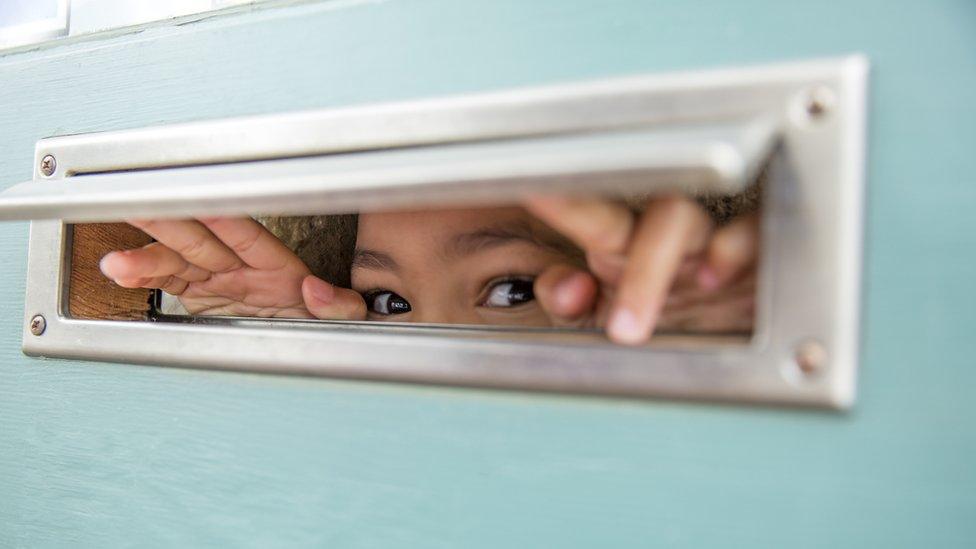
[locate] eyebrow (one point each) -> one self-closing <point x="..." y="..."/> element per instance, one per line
<point x="468" y="243"/>
<point x="500" y="235"/>
<point x="374" y="260"/>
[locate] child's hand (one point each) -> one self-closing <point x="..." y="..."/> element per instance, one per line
<point x="229" y="266"/>
<point x="668" y="268"/>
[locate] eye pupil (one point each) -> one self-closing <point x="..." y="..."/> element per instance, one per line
<point x="520" y="291"/>
<point x="398" y="305"/>
<point x="385" y="302"/>
<point x="509" y="293"/>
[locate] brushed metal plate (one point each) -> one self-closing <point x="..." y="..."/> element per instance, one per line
<point x="809" y="274"/>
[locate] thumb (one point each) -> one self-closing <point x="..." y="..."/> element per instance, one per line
<point x="567" y="294"/>
<point x="732" y="251"/>
<point x="328" y="302"/>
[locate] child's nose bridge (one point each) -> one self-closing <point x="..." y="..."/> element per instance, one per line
<point x="438" y="313"/>
<point x="438" y="306"/>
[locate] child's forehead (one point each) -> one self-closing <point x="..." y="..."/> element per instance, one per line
<point x="457" y="232"/>
<point x="436" y="222"/>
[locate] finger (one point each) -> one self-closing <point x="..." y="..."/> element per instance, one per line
<point x="596" y="225"/>
<point x="730" y="310"/>
<point x="567" y="294"/>
<point x="328" y="302"/>
<point x="132" y="282"/>
<point x="669" y="228"/>
<point x="219" y="306"/>
<point x="734" y="314"/>
<point x="608" y="267"/>
<point x="169" y="284"/>
<point x="733" y="250"/>
<point x="683" y="294"/>
<point x="253" y="244"/>
<point x="194" y="242"/>
<point x="152" y="260"/>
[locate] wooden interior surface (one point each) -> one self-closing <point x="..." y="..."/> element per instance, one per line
<point x="90" y="294"/>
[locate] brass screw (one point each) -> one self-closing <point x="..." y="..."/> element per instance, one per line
<point x="810" y="356"/>
<point x="48" y="165"/>
<point x="819" y="100"/>
<point x="38" y="325"/>
<point x="816" y="107"/>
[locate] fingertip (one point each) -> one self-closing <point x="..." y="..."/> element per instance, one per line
<point x="626" y="328"/>
<point x="734" y="248"/>
<point x="105" y="264"/>
<point x="113" y="265"/>
<point x="574" y="293"/>
<point x="318" y="289"/>
<point x="707" y="278"/>
<point x="566" y="294"/>
<point x="328" y="302"/>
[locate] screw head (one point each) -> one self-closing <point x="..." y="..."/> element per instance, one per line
<point x="48" y="165"/>
<point x="37" y="325"/>
<point x="810" y="357"/>
<point x="813" y="106"/>
<point x="816" y="106"/>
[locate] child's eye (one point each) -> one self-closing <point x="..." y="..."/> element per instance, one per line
<point x="509" y="293"/>
<point x="385" y="302"/>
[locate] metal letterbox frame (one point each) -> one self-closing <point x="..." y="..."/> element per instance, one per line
<point x="804" y="351"/>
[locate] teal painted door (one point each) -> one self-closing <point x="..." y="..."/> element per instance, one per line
<point x="103" y="455"/>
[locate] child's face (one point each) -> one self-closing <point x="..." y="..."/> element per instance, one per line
<point x="463" y="266"/>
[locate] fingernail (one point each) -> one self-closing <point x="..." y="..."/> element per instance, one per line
<point x="707" y="279"/>
<point x="102" y="263"/>
<point x="625" y="327"/>
<point x="320" y="289"/>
